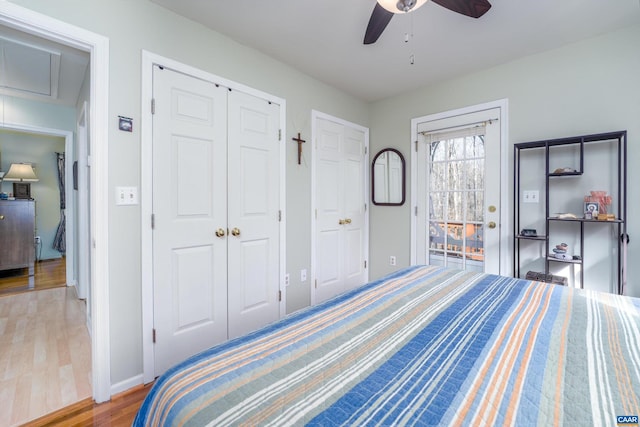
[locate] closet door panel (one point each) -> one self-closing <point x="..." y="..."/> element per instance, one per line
<point x="189" y="205"/>
<point x="254" y="182"/>
<point x="354" y="207"/>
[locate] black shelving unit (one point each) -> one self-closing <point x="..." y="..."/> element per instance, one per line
<point x="545" y="148"/>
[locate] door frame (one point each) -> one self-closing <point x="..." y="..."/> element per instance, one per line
<point x="504" y="226"/>
<point x="315" y="116"/>
<point x="44" y="26"/>
<point x="149" y="59"/>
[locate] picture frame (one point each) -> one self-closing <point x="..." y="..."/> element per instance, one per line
<point x="591" y="210"/>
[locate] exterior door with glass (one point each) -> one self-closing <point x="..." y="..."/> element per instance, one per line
<point x="458" y="192"/>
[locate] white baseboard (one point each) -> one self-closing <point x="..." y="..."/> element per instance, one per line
<point x="126" y="384"/>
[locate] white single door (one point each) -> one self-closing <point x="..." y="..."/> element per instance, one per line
<point x="254" y="218"/>
<point x="189" y="206"/>
<point x="340" y="231"/>
<point x="459" y="192"/>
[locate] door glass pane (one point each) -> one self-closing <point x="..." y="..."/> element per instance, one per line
<point x="456" y="203"/>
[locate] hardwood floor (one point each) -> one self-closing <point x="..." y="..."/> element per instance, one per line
<point x="45" y="349"/>
<point x="47" y="274"/>
<point x="119" y="412"/>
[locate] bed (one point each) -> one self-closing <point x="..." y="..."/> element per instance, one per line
<point x="423" y="346"/>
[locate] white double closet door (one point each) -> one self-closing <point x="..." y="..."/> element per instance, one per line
<point x="216" y="187"/>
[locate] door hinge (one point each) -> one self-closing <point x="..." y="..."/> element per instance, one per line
<point x="365" y="207"/>
<point x="316" y="213"/>
<point x="416" y="146"/>
<point x="415" y="211"/>
<point x="279" y="295"/>
<point x="153" y="105"/>
<point x="316" y="283"/>
<point x="154" y="335"/>
<point x="153" y="221"/>
<point x="279" y="216"/>
<point x="279" y="134"/>
<point x="365" y="150"/>
<point x="365" y="263"/>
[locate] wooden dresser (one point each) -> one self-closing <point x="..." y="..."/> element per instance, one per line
<point x="17" y="234"/>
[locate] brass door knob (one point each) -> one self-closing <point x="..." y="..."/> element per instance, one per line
<point x="1" y="217"/>
<point x="220" y="232"/>
<point x="341" y="222"/>
<point x="347" y="221"/>
<point x="235" y="231"/>
<point x="492" y="224"/>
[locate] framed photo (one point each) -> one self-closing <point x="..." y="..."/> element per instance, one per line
<point x="591" y="210"/>
<point x="22" y="190"/>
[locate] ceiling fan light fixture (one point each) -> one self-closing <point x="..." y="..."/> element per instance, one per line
<point x="401" y="6"/>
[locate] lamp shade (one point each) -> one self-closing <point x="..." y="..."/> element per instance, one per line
<point x="22" y="172"/>
<point x="401" y="6"/>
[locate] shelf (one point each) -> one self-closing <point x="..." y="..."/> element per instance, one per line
<point x="576" y="173"/>
<point x="568" y="167"/>
<point x="566" y="261"/>
<point x="596" y="221"/>
<point x="541" y="238"/>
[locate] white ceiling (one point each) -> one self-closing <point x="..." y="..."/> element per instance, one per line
<point x="323" y="38"/>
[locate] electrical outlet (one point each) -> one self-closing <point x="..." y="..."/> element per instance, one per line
<point x="531" y="196"/>
<point x="392" y="260"/>
<point x="38" y="240"/>
<point x="303" y="274"/>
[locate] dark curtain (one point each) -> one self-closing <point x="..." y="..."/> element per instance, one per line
<point x="59" y="242"/>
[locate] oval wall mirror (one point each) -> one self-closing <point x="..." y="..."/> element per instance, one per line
<point x="387" y="178"/>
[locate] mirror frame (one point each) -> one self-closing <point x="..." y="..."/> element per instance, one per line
<point x="373" y="180"/>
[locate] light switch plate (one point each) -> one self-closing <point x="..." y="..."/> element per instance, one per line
<point x="531" y="196"/>
<point x="126" y="196"/>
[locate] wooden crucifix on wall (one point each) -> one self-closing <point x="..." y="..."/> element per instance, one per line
<point x="300" y="142"/>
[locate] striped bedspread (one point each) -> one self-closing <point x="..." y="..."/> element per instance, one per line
<point x="423" y="346"/>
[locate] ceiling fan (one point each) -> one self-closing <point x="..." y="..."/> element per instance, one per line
<point x="385" y="9"/>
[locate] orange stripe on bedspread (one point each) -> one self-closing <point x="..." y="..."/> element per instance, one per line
<point x="522" y="372"/>
<point x="518" y="320"/>
<point x="561" y="356"/>
<point x="627" y="394"/>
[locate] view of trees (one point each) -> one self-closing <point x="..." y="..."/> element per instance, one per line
<point x="456" y="196"/>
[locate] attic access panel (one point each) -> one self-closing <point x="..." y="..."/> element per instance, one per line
<point x="27" y="68"/>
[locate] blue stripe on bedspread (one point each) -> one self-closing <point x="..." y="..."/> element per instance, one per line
<point x="441" y="354"/>
<point x="423" y="346"/>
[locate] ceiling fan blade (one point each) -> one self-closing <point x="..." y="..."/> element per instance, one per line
<point x="380" y="17"/>
<point x="472" y="8"/>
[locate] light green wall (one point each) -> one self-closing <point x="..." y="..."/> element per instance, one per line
<point x="587" y="87"/>
<point x="134" y="25"/>
<point x="19" y="147"/>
